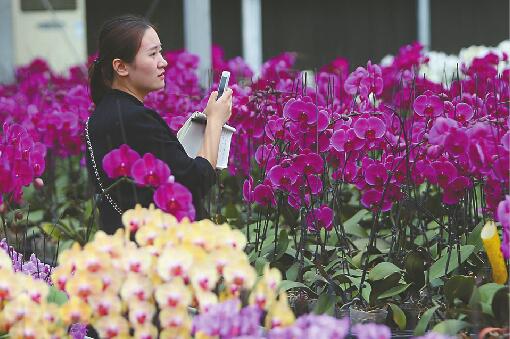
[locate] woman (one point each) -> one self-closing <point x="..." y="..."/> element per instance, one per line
<point x="128" y="67"/>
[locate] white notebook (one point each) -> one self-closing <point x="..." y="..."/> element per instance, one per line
<point x="191" y="136"/>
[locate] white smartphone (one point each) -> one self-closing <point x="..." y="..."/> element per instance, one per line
<point x="225" y="76"/>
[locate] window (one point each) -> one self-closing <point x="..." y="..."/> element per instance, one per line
<point x="40" y="5"/>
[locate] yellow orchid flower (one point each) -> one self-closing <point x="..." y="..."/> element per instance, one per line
<point x="50" y="316"/>
<point x="84" y="285"/>
<point x="204" y="276"/>
<point x="202" y="335"/>
<point x="141" y="313"/>
<point x="37" y="290"/>
<point x="232" y="238"/>
<point x="20" y="308"/>
<point x="148" y="331"/>
<point x="201" y="234"/>
<point x="262" y="296"/>
<point x="70" y="256"/>
<point x="134" y="219"/>
<point x="175" y="333"/>
<point x="239" y="275"/>
<point x="225" y="256"/>
<point x="105" y="304"/>
<point x="136" y="287"/>
<point x="161" y="219"/>
<point x="280" y="314"/>
<point x="9" y="287"/>
<point x="112" y="280"/>
<point x="113" y="326"/>
<point x="492" y="244"/>
<point x="206" y="300"/>
<point x="147" y="235"/>
<point x="93" y="261"/>
<point x="28" y="328"/>
<point x="272" y="277"/>
<point x="177" y="318"/>
<point x="113" y="245"/>
<point x="137" y="260"/>
<point x="61" y="274"/>
<point x="5" y="261"/>
<point x="174" y="262"/>
<point x="75" y="310"/>
<point x="173" y="294"/>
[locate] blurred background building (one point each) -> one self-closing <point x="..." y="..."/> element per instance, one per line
<point x="64" y="32"/>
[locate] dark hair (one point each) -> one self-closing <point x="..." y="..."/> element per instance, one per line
<point x="120" y="38"/>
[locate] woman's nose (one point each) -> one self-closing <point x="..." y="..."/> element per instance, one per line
<point x="163" y="62"/>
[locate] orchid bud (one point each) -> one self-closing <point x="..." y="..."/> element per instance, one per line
<point x="18" y="215"/>
<point x="38" y="183"/>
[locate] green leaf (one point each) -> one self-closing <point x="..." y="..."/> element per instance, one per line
<point x="421" y="327"/>
<point x="415" y="268"/>
<point x="35" y="216"/>
<point x="56" y="296"/>
<point x="488" y="291"/>
<point x="398" y="316"/>
<point x="355" y="219"/>
<point x="281" y="246"/>
<point x="366" y="291"/>
<point x="474" y="237"/>
<point x="325" y="304"/>
<point x="450" y="326"/>
<point x="500" y="305"/>
<point x="260" y="262"/>
<point x="394" y="291"/>
<point x="52" y="230"/>
<point x="286" y="285"/>
<point x="460" y="287"/>
<point x="383" y="270"/>
<point x="292" y="272"/>
<point x="437" y="269"/>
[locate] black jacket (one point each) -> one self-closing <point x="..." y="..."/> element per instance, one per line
<point x="121" y="118"/>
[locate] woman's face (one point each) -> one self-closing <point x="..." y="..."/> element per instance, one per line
<point x="146" y="72"/>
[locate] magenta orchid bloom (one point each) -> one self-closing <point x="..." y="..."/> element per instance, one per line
<point x="346" y="141"/>
<point x="376" y="175"/>
<point x="456" y="142"/>
<point x="440" y="130"/>
<point x="371" y="199"/>
<point x="428" y="105"/>
<point x="118" y="163"/>
<point x="503" y="216"/>
<point x="264" y="195"/>
<point x="150" y="171"/>
<point x="318" y="218"/>
<point x="301" y="111"/>
<point x="175" y="199"/>
<point x="248" y="190"/>
<point x="455" y="190"/>
<point x="308" y="163"/>
<point x="370" y="129"/>
<point x="282" y="177"/>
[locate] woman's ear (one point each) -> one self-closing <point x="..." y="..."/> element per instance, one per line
<point x="120" y="67"/>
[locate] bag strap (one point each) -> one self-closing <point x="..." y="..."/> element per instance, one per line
<point x="89" y="146"/>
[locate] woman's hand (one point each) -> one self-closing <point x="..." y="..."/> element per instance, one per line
<point x="219" y="110"/>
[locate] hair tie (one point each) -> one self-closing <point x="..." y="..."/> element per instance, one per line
<point x="97" y="61"/>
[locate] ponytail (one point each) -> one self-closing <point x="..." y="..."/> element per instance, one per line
<point x="97" y="82"/>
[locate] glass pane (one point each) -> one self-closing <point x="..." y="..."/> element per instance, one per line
<point x="40" y="5"/>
